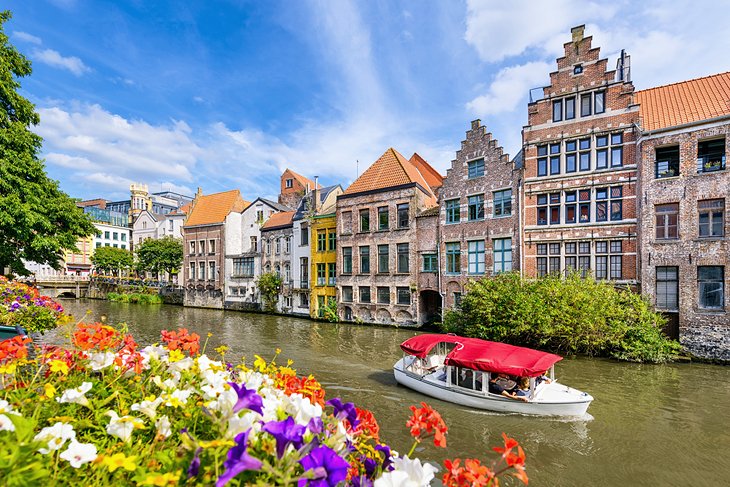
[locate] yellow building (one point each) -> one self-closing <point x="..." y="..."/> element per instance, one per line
<point x="324" y="263"/>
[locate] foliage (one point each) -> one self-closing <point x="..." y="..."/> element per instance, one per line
<point x="570" y="315"/>
<point x="112" y="259"/>
<point x="160" y="255"/>
<point x="269" y="285"/>
<point x="22" y="305"/>
<point x="140" y="298"/>
<point x="37" y="220"/>
<point x="329" y="311"/>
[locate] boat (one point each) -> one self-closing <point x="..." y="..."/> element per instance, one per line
<point x="458" y="370"/>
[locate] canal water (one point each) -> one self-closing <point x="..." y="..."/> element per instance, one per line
<point x="649" y="425"/>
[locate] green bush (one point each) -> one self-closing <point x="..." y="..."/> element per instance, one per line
<point x="269" y="285"/>
<point x="566" y="315"/>
<point x="139" y="298"/>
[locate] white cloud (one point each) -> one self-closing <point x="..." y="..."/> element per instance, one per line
<point x="55" y="59"/>
<point x="29" y="38"/>
<point x="71" y="162"/>
<point x="509" y="88"/>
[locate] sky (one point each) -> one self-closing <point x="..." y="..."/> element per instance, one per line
<point x="226" y="94"/>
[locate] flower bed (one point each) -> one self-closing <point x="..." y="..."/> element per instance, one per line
<point x="22" y="306"/>
<point x="106" y="412"/>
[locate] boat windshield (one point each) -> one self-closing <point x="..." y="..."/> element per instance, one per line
<point x="467" y="378"/>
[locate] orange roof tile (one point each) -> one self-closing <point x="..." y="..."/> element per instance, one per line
<point x="280" y="219"/>
<point x="685" y="102"/>
<point x="302" y="179"/>
<point x="183" y="210"/>
<point x="432" y="176"/>
<point x="214" y="208"/>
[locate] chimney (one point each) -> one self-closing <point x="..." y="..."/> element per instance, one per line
<point x="315" y="194"/>
<point x="577" y="33"/>
<point x="475" y="124"/>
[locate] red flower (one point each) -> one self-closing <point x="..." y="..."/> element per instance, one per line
<point x="182" y="340"/>
<point x="14" y="348"/>
<point x="96" y="336"/>
<point x="512" y="459"/>
<point x="425" y="422"/>
<point x="367" y="424"/>
<point x="473" y="473"/>
<point x="306" y="386"/>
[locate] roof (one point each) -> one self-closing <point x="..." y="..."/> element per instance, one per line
<point x="392" y="169"/>
<point x="433" y="211"/>
<point x="302" y="179"/>
<point x="304" y="204"/>
<point x="183" y="210"/>
<point x="273" y="204"/>
<point x="484" y="355"/>
<point x="214" y="208"/>
<point x="518" y="160"/>
<point x="685" y="102"/>
<point x="278" y="220"/>
<point x="432" y="176"/>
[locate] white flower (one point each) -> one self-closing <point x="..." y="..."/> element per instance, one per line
<point x="225" y="402"/>
<point x="178" y="397"/>
<point x="167" y="384"/>
<point x="238" y="424"/>
<point x="77" y="395"/>
<point x="55" y="436"/>
<point x="205" y="364"/>
<point x="407" y="473"/>
<point x="100" y="360"/>
<point x="153" y="352"/>
<point x="7" y="408"/>
<point x="6" y="424"/>
<point x="122" y="427"/>
<point x="301" y="408"/>
<point x="182" y="364"/>
<point x="78" y="454"/>
<point x="148" y="408"/>
<point x="213" y="383"/>
<point x="163" y="426"/>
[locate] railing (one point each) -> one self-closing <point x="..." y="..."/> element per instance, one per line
<point x="711" y="163"/>
<point x="304" y="284"/>
<point x="61" y="278"/>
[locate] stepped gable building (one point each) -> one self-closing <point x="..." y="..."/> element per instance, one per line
<point x="479" y="224"/>
<point x="276" y="241"/>
<point x="684" y="221"/>
<point x="293" y="188"/>
<point x="204" y="247"/>
<point x="376" y="242"/>
<point x="579" y="150"/>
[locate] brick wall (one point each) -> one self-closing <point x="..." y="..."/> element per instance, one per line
<point x="208" y="291"/>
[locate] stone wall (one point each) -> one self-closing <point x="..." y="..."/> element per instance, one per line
<point x="203" y="298"/>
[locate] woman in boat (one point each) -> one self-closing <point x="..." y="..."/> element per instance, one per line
<point x="496" y="388"/>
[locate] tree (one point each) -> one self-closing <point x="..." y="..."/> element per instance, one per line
<point x="160" y="255"/>
<point x="112" y="259"/>
<point x="269" y="285"/>
<point x="38" y="221"/>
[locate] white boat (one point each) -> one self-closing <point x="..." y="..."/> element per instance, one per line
<point x="458" y="370"/>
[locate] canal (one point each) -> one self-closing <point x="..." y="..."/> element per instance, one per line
<point x="649" y="424"/>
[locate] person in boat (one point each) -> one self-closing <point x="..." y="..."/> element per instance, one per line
<point x="497" y="386"/>
<point x="542" y="378"/>
<point x="523" y="387"/>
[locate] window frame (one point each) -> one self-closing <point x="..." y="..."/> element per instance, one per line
<point x="475" y="168"/>
<point x="476" y="257"/>
<point x="713" y="284"/>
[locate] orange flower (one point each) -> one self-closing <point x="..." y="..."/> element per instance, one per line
<point x="306" y="386"/>
<point x="181" y="340"/>
<point x="14" y="348"/>
<point x="95" y="336"/>
<point x="367" y="424"/>
<point x="473" y="473"/>
<point x="425" y="422"/>
<point x="513" y="460"/>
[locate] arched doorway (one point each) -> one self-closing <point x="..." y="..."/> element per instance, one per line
<point x="429" y="303"/>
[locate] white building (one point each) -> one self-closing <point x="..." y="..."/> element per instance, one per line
<point x="154" y="225"/>
<point x="112" y="236"/>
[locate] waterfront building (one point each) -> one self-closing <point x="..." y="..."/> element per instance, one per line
<point x="684" y="221"/>
<point x="323" y="279"/>
<point x="204" y="237"/>
<point x="479" y="215"/>
<point x="376" y="242"/>
<point x="155" y="225"/>
<point x="140" y="199"/>
<point x="243" y="253"/>
<point x="276" y="241"/>
<point x="579" y="207"/>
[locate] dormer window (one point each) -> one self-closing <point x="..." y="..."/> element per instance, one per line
<point x="577" y="69"/>
<point x="289" y="183"/>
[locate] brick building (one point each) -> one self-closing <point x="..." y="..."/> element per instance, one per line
<point x="376" y="241"/>
<point x="579" y="150"/>
<point x="293" y="188"/>
<point x="276" y="255"/>
<point x="479" y="225"/>
<point x="684" y="221"/>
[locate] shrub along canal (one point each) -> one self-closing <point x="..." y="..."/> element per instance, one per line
<point x="649" y="424"/>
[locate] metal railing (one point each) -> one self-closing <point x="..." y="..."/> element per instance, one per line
<point x="711" y="163"/>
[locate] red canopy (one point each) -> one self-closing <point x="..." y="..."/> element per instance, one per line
<point x="484" y="355"/>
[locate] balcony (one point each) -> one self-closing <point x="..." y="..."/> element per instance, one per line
<point x="711" y="163"/>
<point x="304" y="284"/>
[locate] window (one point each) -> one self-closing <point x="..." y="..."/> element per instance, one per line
<point x="364" y="220"/>
<point x="542" y="266"/>
<point x="571" y="156"/>
<point x="254" y="244"/>
<point x="667" y="288"/>
<point x="303" y="300"/>
<point x="476" y="257"/>
<point x="243" y="267"/>
<point x="616" y="259"/>
<point x="277" y="270"/>
<point x="476" y="207"/>
<point x="601" y="260"/>
<point x="331" y="274"/>
<point x="711" y="286"/>
<point x="346" y="222"/>
<point x="711" y="155"/>
<point x="554" y="159"/>
<point x="124" y="237"/>
<point x="364" y="294"/>
<point x="554" y="260"/>
<point x="287" y="272"/>
<point x="287" y="245"/>
<point x="403" y="261"/>
<point x="287" y="301"/>
<point x="106" y="236"/>
<point x="192" y="247"/>
<point x="430" y="263"/>
<point x="321" y="275"/>
<point x="542" y="160"/>
<point x="667" y="162"/>
<point x="383" y="218"/>
<point x="570" y="207"/>
<point x="320" y="306"/>
<point x="502" y="254"/>
<point x="711" y="218"/>
<point x="599" y="99"/>
<point x="403" y="295"/>
<point x="403" y="218"/>
<point x="192" y="271"/>
<point x="211" y="246"/>
<point x="278" y="245"/>
<point x="98" y="244"/>
<point x="321" y="240"/>
<point x="383" y="295"/>
<point x="347" y="294"/>
<point x="453" y="257"/>
<point x="667" y="221"/>
<point x="211" y="270"/>
<point x="602" y="152"/>
<point x="557" y="110"/>
<point x="584" y="258"/>
<point x="303" y="235"/>
<point x="555" y="208"/>
<point x="115" y="236"/>
<point x="365" y="260"/>
<point x="347" y="260"/>
<point x="617" y="150"/>
<point x="457" y="299"/>
<point x="304" y="272"/>
<point x="332" y="240"/>
<point x="585" y="105"/>
<point x="476" y="168"/>
<point x="144" y="225"/>
<point x="452" y="211"/>
<point x="542" y="209"/>
<point x="502" y="202"/>
<point x="289" y="183"/>
<point x="260" y="216"/>
<point x="383" y="258"/>
<point x="570" y="108"/>
<point x="570" y="258"/>
<point x="585" y="154"/>
<point x="201" y="269"/>
<point x="577" y="69"/>
<point x="268" y="246"/>
<point x="584" y="205"/>
<point x="115" y="246"/>
<point x="603" y="204"/>
<point x="201" y="246"/>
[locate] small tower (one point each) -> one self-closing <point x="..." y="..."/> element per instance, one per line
<point x="140" y="200"/>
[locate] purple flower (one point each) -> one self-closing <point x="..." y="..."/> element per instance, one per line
<point x="194" y="467"/>
<point x="387" y="463"/>
<point x="361" y="481"/>
<point x="315" y="425"/>
<point x="327" y="467"/>
<point x="247" y="399"/>
<point x="344" y="411"/>
<point x="238" y="460"/>
<point x="285" y="432"/>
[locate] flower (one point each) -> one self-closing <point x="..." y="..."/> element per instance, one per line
<point x="163" y="426"/>
<point x="58" y="366"/>
<point x="100" y="360"/>
<point x="148" y="407"/>
<point x="514" y="460"/>
<point x="238" y="460"/>
<point x="6" y="424"/>
<point x="77" y="395"/>
<point x="55" y="436"/>
<point x="78" y="454"/>
<point x="122" y="427"/>
<point x="181" y="339"/>
<point x="407" y="473"/>
<point x="120" y="460"/>
<point x="49" y="391"/>
<point x="247" y="399"/>
<point x="161" y="479"/>
<point x="367" y="424"/>
<point x="286" y="432"/>
<point x="344" y="411"/>
<point x="14" y="348"/>
<point x="194" y="467"/>
<point x="425" y="422"/>
<point x="326" y="466"/>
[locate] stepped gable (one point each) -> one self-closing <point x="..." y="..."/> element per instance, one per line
<point x="431" y="175"/>
<point x="684" y="102"/>
<point x="278" y="220"/>
<point x="214" y="208"/>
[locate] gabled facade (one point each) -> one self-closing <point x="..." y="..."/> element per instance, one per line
<point x="293" y="188"/>
<point x="276" y="256"/>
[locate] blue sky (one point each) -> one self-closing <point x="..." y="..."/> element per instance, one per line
<point x="226" y="94"/>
